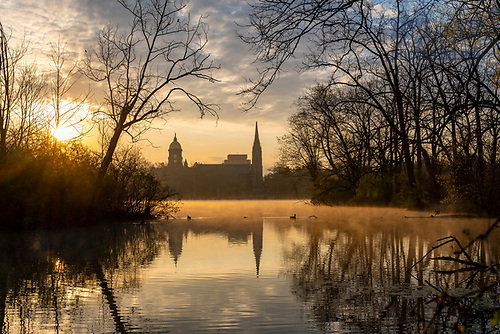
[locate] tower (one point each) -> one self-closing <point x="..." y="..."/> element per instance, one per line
<point x="175" y="153"/>
<point x="257" y="161"/>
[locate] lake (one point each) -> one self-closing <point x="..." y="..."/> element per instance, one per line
<point x="248" y="267"/>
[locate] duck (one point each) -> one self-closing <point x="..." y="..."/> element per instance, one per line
<point x="294" y="216"/>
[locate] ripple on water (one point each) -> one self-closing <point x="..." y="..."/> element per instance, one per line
<point x="342" y="273"/>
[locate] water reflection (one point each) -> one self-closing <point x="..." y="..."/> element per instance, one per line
<point x="242" y="267"/>
<point x="236" y="231"/>
<point x="362" y="279"/>
<point x="48" y="277"/>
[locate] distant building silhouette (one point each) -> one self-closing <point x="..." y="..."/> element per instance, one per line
<point x="257" y="162"/>
<point x="235" y="177"/>
<point x="175" y="153"/>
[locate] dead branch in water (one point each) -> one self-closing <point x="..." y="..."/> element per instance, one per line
<point x="463" y="303"/>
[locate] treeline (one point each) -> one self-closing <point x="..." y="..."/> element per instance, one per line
<point x="285" y="183"/>
<point x="55" y="184"/>
<point x="45" y="181"/>
<point x="409" y="113"/>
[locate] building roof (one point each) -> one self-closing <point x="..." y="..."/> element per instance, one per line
<point x="237" y="159"/>
<point x="175" y="145"/>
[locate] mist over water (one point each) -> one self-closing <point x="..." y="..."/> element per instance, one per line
<point x="237" y="266"/>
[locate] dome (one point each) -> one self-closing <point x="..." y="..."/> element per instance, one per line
<point x="175" y="144"/>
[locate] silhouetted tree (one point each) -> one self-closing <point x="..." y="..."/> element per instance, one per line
<point x="278" y="29"/>
<point x="29" y="123"/>
<point x="357" y="41"/>
<point x="67" y="111"/>
<point x="427" y="79"/>
<point x="9" y="61"/>
<point x="143" y="69"/>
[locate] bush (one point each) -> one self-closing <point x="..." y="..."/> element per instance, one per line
<point x="47" y="187"/>
<point x="57" y="185"/>
<point x="374" y="190"/>
<point x="130" y="189"/>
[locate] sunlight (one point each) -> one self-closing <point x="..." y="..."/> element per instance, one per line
<point x="65" y="133"/>
<point x="72" y="118"/>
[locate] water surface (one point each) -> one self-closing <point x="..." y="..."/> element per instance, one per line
<point x="242" y="267"/>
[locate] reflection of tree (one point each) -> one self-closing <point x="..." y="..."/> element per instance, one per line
<point x="108" y="292"/>
<point x="361" y="279"/>
<point x="54" y="270"/>
<point x="45" y="269"/>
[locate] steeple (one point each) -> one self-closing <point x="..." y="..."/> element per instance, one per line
<point x="256" y="138"/>
<point x="257" y="161"/>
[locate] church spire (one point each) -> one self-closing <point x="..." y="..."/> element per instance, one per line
<point x="256" y="139"/>
<point x="257" y="161"/>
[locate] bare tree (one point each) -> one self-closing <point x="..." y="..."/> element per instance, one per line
<point x="30" y="120"/>
<point x="344" y="137"/>
<point x="358" y="41"/>
<point x="67" y="110"/>
<point x="301" y="147"/>
<point x="279" y="27"/>
<point x="9" y="60"/>
<point x="145" y="68"/>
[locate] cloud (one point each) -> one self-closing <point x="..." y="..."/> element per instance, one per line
<point x="77" y="23"/>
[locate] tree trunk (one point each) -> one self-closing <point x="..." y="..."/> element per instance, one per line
<point x="410" y="169"/>
<point x="106" y="161"/>
<point x="3" y="145"/>
<point x="3" y="300"/>
<point x="419" y="145"/>
<point x="479" y="142"/>
<point x="405" y="147"/>
<point x="494" y="145"/>
<point x="113" y="143"/>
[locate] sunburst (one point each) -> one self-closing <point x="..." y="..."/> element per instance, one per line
<point x="65" y="133"/>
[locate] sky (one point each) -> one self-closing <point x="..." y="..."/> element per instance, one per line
<point x="208" y="139"/>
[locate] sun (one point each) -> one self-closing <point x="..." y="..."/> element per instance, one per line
<point x="65" y="133"/>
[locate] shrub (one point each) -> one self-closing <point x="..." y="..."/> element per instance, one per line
<point x="57" y="185"/>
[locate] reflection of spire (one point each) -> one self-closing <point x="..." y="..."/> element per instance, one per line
<point x="257" y="233"/>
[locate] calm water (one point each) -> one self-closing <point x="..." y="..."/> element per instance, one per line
<point x="242" y="267"/>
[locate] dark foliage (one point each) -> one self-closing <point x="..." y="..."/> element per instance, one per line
<point x="408" y="111"/>
<point x="56" y="186"/>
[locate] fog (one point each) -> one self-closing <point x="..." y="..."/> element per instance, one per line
<point x="363" y="219"/>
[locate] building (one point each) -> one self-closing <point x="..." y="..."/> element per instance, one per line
<point x="236" y="177"/>
<point x="175" y="153"/>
